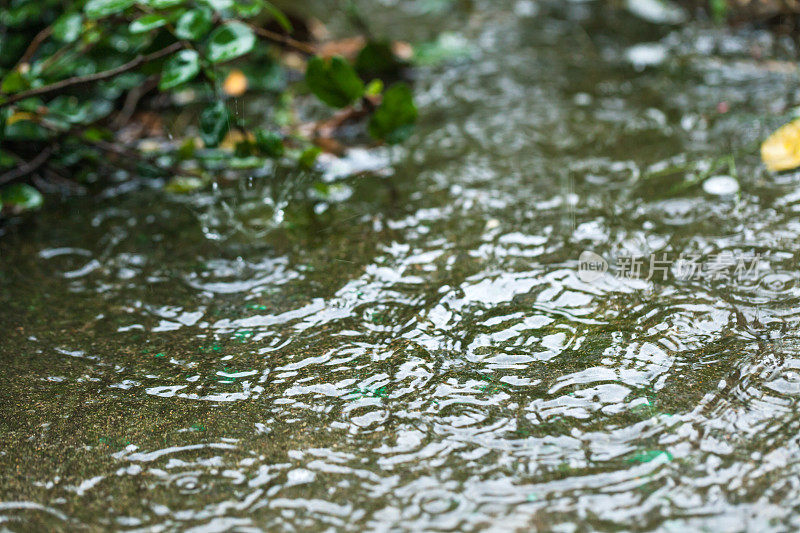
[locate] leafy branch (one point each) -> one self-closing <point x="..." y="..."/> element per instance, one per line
<point x="63" y="102"/>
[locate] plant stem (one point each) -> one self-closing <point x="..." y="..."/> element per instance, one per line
<point x="26" y="168"/>
<point x="106" y="74"/>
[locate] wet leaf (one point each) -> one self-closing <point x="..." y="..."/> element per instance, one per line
<point x="309" y="157"/>
<point x="270" y="143"/>
<point x="21" y="197"/>
<point x="214" y="124"/>
<point x="194" y="24"/>
<point x="219" y="5"/>
<point x="184" y="184"/>
<point x="96" y="9"/>
<point x="394" y="119"/>
<point x="277" y="14"/>
<point x="181" y="67"/>
<point x="25" y="130"/>
<point x="334" y="82"/>
<point x="67" y="27"/>
<point x="14" y="82"/>
<point x="377" y="59"/>
<point x="75" y="111"/>
<point x="230" y="41"/>
<point x="163" y="4"/>
<point x="148" y="22"/>
<point x="374" y="88"/>
<point x="781" y="150"/>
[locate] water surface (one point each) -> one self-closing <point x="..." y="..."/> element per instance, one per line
<point x="421" y="354"/>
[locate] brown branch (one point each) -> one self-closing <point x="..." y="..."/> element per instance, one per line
<point x="132" y="100"/>
<point x="35" y="43"/>
<point x="106" y="74"/>
<point x="284" y="39"/>
<point x="28" y="167"/>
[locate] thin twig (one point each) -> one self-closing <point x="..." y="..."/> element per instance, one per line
<point x="284" y="39"/>
<point x="132" y="100"/>
<point x="106" y="74"/>
<point x="29" y="166"/>
<point x="35" y="43"/>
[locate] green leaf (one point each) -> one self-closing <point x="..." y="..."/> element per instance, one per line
<point x="374" y="88"/>
<point x="219" y="5"/>
<point x="719" y="10"/>
<point x="67" y="27"/>
<point x="230" y="41"/>
<point x="14" y="82"/>
<point x="247" y="9"/>
<point x="214" y="124"/>
<point x="278" y="15"/>
<point x="394" y="119"/>
<point x="163" y="4"/>
<point x="73" y="111"/>
<point x="309" y="157"/>
<point x="269" y="142"/>
<point x="194" y="24"/>
<point x="26" y="130"/>
<point x="184" y="184"/>
<point x="96" y="9"/>
<point x="377" y="59"/>
<point x="335" y="82"/>
<point x="181" y="67"/>
<point x="21" y="197"/>
<point x="148" y="22"/>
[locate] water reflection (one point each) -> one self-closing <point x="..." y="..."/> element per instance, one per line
<point x="435" y="363"/>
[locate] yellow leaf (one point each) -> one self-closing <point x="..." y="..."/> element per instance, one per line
<point x="21" y="115"/>
<point x="781" y="150"/>
<point x="235" y="84"/>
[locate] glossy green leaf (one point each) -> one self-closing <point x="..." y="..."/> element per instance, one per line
<point x="309" y="156"/>
<point x="377" y="59"/>
<point x="14" y="82"/>
<point x="214" y="124"/>
<point x="184" y="184"/>
<point x="194" y="24"/>
<point x="335" y="82"/>
<point x="219" y="5"/>
<point x="374" y="88"/>
<point x="181" y="67"/>
<point x="67" y="27"/>
<point x="394" y="119"/>
<point x="26" y="130"/>
<point x="96" y="9"/>
<point x="163" y="4"/>
<point x="148" y="22"/>
<point x="230" y="41"/>
<point x="247" y="8"/>
<point x="277" y="14"/>
<point x="21" y="197"/>
<point x="270" y="143"/>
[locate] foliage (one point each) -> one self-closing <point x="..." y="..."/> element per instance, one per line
<point x="75" y="73"/>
